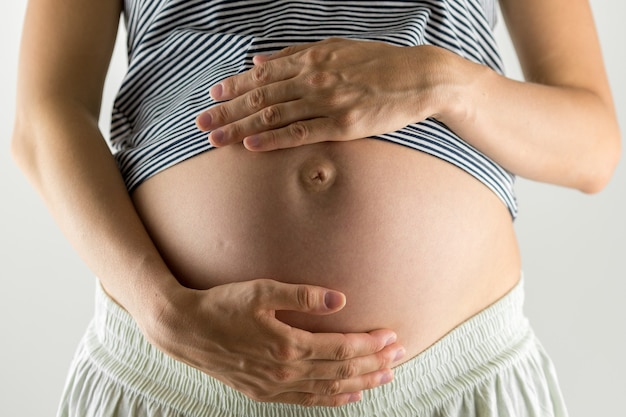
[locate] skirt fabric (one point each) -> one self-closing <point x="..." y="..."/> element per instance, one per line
<point x="492" y="365"/>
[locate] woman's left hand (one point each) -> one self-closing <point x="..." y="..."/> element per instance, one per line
<point x="332" y="90"/>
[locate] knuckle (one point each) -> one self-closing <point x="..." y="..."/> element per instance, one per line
<point x="344" y="351"/>
<point x="270" y="116"/>
<point x="281" y="374"/>
<point x="306" y="298"/>
<point x="242" y="365"/>
<point x="346" y="120"/>
<point x="235" y="130"/>
<point x="261" y="73"/>
<point x="331" y="388"/>
<point x="289" y="50"/>
<point x="255" y="99"/>
<point x="371" y="383"/>
<point x="308" y="400"/>
<point x="233" y="86"/>
<point x="299" y="132"/>
<point x="320" y="79"/>
<point x="259" y="296"/>
<point x="285" y="353"/>
<point x="347" y="370"/>
<point x="258" y="291"/>
<point x="220" y="114"/>
<point x="314" y="55"/>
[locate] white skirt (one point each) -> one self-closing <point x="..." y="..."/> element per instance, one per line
<point x="492" y="365"/>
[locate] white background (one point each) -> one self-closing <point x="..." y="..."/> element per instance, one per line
<point x="573" y="247"/>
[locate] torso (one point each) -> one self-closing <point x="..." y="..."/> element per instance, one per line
<point x="415" y="243"/>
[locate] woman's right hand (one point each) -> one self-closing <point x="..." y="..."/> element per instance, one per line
<point x="231" y="333"/>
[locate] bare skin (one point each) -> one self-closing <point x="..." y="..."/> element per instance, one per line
<point x="300" y="95"/>
<point x="58" y="145"/>
<point x="415" y="244"/>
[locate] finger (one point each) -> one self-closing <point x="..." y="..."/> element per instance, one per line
<point x="356" y="367"/>
<point x="299" y="376"/>
<point x="263" y="74"/>
<point x="259" y="110"/>
<point x="270" y="118"/>
<point x="335" y="387"/>
<point x="245" y="105"/>
<point x="332" y="356"/>
<point x="292" y="50"/>
<point x="275" y="295"/>
<point x="346" y="346"/>
<point x="298" y="133"/>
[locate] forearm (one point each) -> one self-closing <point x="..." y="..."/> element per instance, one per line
<point x="557" y="134"/>
<point x="559" y="129"/>
<point x="61" y="151"/>
<point x="65" y="51"/>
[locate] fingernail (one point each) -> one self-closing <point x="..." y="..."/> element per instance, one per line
<point x="204" y="121"/>
<point x="217" y="137"/>
<point x="217" y="91"/>
<point x="399" y="354"/>
<point x="259" y="59"/>
<point x="386" y="378"/>
<point x="252" y="141"/>
<point x="354" y="397"/>
<point x="333" y="300"/>
<point x="391" y="340"/>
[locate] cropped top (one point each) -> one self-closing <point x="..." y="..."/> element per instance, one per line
<point x="178" y="49"/>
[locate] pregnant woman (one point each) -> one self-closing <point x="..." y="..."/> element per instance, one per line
<point x="309" y="206"/>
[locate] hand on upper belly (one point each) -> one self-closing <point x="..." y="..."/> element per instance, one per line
<point x="333" y="90"/>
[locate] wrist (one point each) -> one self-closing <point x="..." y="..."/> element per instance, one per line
<point x="146" y="289"/>
<point x="461" y="90"/>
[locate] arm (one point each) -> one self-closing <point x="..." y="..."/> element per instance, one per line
<point x="65" y="53"/>
<point x="559" y="127"/>
<point x="58" y="145"/>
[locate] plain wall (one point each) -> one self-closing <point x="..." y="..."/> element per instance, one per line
<point x="573" y="248"/>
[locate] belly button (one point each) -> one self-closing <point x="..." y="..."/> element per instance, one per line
<point x="316" y="176"/>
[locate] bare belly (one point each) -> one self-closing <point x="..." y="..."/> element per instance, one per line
<point x="416" y="244"/>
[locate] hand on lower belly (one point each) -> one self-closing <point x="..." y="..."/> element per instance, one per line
<point x="231" y="333"/>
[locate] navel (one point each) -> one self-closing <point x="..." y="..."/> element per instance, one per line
<point x="317" y="174"/>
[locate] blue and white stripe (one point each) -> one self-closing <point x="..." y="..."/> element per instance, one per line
<point x="177" y="49"/>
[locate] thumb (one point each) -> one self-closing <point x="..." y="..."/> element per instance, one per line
<point x="309" y="299"/>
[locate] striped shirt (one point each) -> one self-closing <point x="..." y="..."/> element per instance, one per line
<point x="177" y="49"/>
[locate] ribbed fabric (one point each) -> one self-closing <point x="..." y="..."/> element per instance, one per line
<point x="491" y="365"/>
<point x="178" y="49"/>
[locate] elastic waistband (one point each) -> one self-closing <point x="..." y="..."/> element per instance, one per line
<point x="475" y="350"/>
